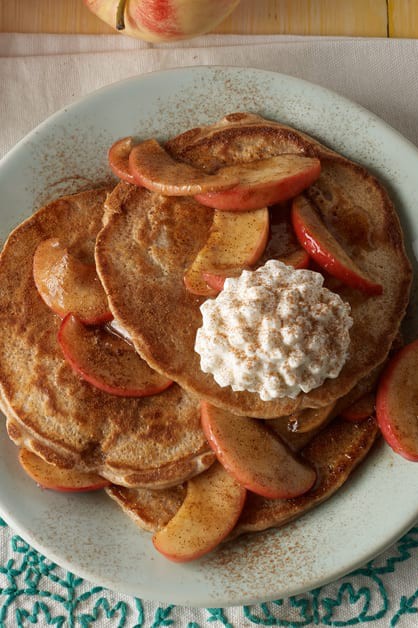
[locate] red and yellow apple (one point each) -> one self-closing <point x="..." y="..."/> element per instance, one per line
<point x="107" y="361"/>
<point x="213" y="503"/>
<point x="68" y="285"/>
<point x="54" y="478"/>
<point x="236" y="241"/>
<point x="162" y="20"/>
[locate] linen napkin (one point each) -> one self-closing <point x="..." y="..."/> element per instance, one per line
<point x="40" y="74"/>
<point x="50" y="71"/>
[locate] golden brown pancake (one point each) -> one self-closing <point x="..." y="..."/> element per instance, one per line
<point x="149" y="241"/>
<point x="151" y="441"/>
<point x="150" y="509"/>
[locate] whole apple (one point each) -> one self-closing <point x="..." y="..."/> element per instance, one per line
<point x="162" y="20"/>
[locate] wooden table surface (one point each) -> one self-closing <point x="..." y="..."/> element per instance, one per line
<point x="364" y="18"/>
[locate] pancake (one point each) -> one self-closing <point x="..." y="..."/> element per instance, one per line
<point x="149" y="240"/>
<point x="335" y="453"/>
<point x="150" y="509"/>
<point x="152" y="441"/>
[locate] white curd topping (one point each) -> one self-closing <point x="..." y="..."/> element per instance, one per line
<point x="275" y="331"/>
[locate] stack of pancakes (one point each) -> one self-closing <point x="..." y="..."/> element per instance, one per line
<point x="142" y="244"/>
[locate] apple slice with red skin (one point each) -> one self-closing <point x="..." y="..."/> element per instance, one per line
<point x="118" y="157"/>
<point x="309" y="419"/>
<point x="217" y="282"/>
<point x="64" y="480"/>
<point x="281" y="245"/>
<point x="321" y="245"/>
<point x="297" y="259"/>
<point x="210" y="510"/>
<point x="361" y="409"/>
<point x="263" y="183"/>
<point x="153" y="168"/>
<point x="255" y="455"/>
<point x="235" y="242"/>
<point x="107" y="361"/>
<point x="68" y="285"/>
<point x="397" y="402"/>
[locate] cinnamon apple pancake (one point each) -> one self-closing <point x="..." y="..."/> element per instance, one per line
<point x="150" y="240"/>
<point x="152" y="441"/>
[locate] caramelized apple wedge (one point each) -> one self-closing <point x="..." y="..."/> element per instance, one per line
<point x="107" y="361"/>
<point x="216" y="282"/>
<point x="154" y="169"/>
<point x="263" y="183"/>
<point x="297" y="259"/>
<point x="210" y="510"/>
<point x="118" y="158"/>
<point x="235" y="242"/>
<point x="310" y="418"/>
<point x="397" y="402"/>
<point x="321" y="245"/>
<point x="54" y="478"/>
<point x="255" y="455"/>
<point x="68" y="285"/>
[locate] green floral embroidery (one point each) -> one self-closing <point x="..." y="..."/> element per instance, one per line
<point x="36" y="591"/>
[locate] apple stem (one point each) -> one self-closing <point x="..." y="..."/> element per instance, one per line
<point x="120" y="15"/>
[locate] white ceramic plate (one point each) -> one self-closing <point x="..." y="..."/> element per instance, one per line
<point x="87" y="533"/>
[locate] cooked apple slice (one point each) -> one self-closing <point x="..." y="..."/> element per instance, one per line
<point x="52" y="477"/>
<point x="297" y="259"/>
<point x="321" y="245"/>
<point x="154" y="169"/>
<point x="68" y="285"/>
<point x="361" y="409"/>
<point x="107" y="361"/>
<point x="263" y="183"/>
<point x="217" y="282"/>
<point x="118" y="157"/>
<point x="397" y="402"/>
<point x="255" y="455"/>
<point x="310" y="418"/>
<point x="210" y="510"/>
<point x="235" y="242"/>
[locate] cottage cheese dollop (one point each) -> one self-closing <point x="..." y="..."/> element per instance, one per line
<point x="275" y="331"/>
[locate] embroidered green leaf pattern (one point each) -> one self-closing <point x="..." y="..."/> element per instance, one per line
<point x="406" y="606"/>
<point x="34" y="591"/>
